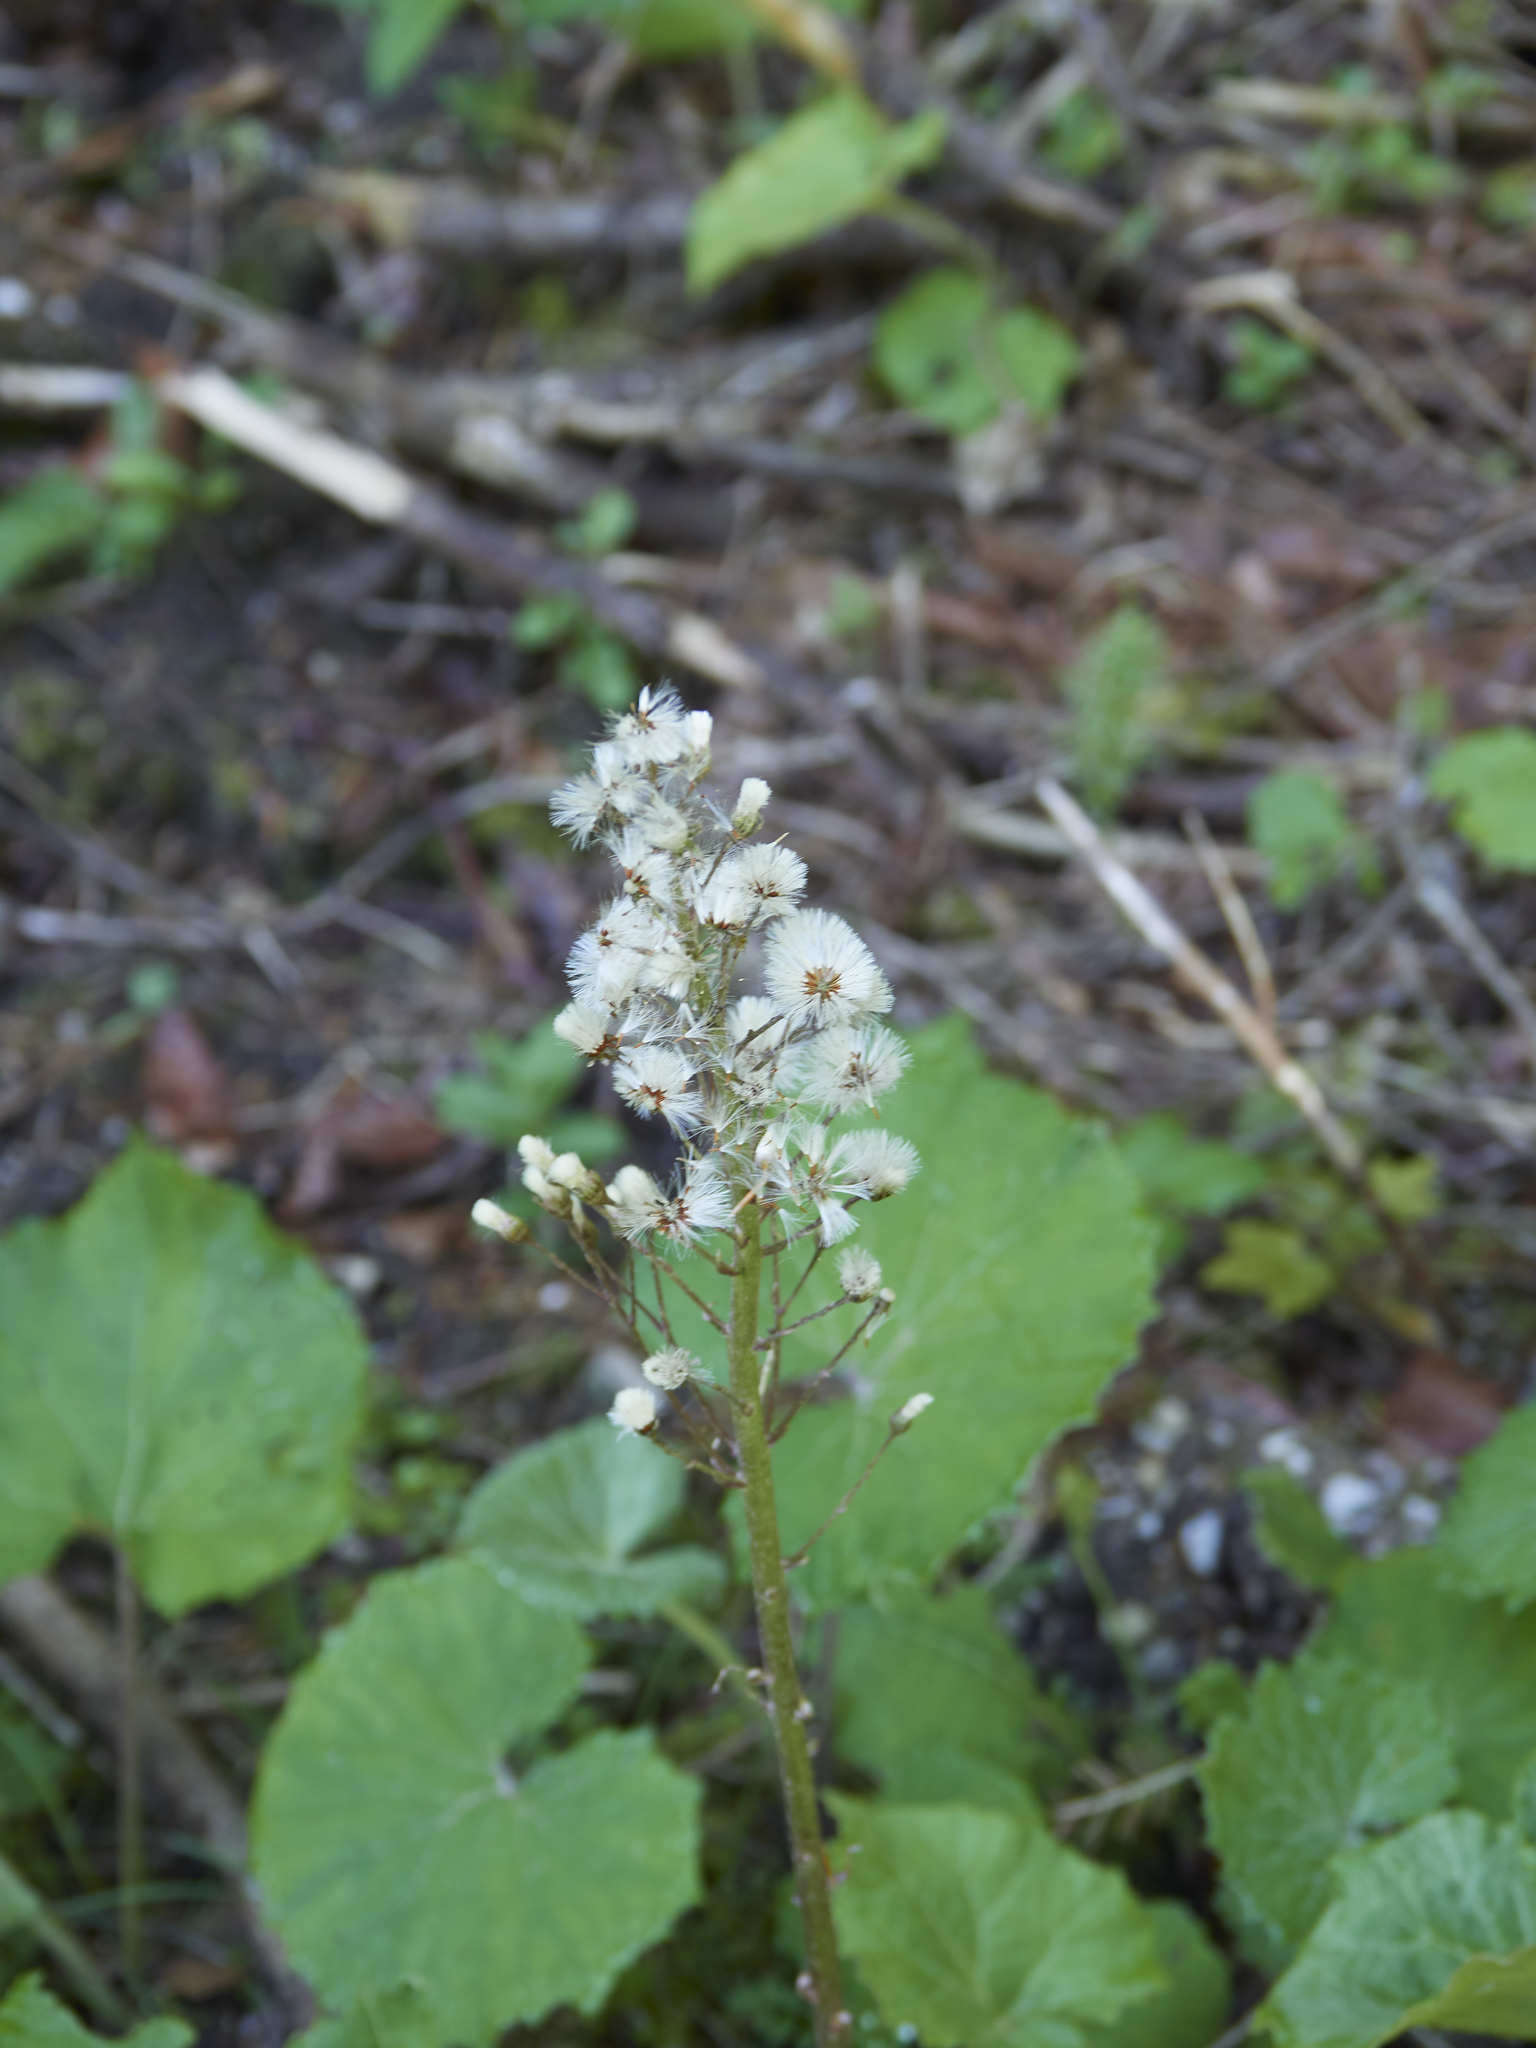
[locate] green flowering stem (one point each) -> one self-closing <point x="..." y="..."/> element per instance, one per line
<point x="787" y="1706"/>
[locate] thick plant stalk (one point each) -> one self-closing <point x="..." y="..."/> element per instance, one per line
<point x="787" y="1705"/>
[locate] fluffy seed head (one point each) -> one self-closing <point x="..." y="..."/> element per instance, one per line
<point x="657" y="1080"/>
<point x="858" y="1274"/>
<point x="671" y="1368"/>
<point x="875" y="1164"/>
<point x="819" y="971"/>
<point x="633" y="1411"/>
<point x="850" y="1066"/>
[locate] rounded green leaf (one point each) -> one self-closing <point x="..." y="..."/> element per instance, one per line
<point x="1488" y="1544"/>
<point x="177" y="1376"/>
<point x="932" y="1687"/>
<point x="1037" y="356"/>
<point x="31" y="2017"/>
<point x="398" y="1833"/>
<point x="1489" y="781"/>
<point x="1022" y="1265"/>
<point x="1326" y="1752"/>
<point x="1435" y="1928"/>
<point x="559" y="1521"/>
<point x="1398" y="1615"/>
<point x="927" y="350"/>
<point x="1193" y="2009"/>
<point x="973" y="1927"/>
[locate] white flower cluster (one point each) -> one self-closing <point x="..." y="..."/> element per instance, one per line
<point x="749" y="1082"/>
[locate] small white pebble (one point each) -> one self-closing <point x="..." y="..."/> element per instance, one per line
<point x="1420" y="1514"/>
<point x="1162" y="1662"/>
<point x="554" y="1295"/>
<point x="1166" y="1423"/>
<point x="1129" y="1624"/>
<point x="16" y="298"/>
<point x="1149" y="1525"/>
<point x="359" y="1274"/>
<point x="1200" y="1540"/>
<point x="1284" y="1447"/>
<point x="1350" y="1503"/>
<point x="1221" y="1434"/>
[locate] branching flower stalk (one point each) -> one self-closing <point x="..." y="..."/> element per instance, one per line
<point x="748" y="1025"/>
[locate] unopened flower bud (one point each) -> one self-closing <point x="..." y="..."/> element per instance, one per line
<point x="697" y="727"/>
<point x="569" y="1171"/>
<point x="751" y="799"/>
<point x="859" y="1274"/>
<point x="908" y="1413"/>
<point x="545" y="1192"/>
<point x="671" y="1368"/>
<point x="491" y="1216"/>
<point x="634" y="1411"/>
<point x="535" y="1151"/>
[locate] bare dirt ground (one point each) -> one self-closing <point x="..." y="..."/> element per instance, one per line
<point x="272" y="842"/>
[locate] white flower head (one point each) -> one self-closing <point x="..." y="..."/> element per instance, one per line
<point x="648" y="871"/>
<point x="819" y="971"/>
<point x="663" y="825"/>
<point x="858" y="1274"/>
<point x="874" y="1164"/>
<point x="633" y="1411"/>
<point x="807" y="1172"/>
<point x="594" y="1033"/>
<point x="657" y="1080"/>
<point x="670" y="1369"/>
<point x="751" y="802"/>
<point x="849" y="1066"/>
<point x="701" y="1201"/>
<point x="634" y="1201"/>
<point x="608" y="963"/>
<point x="772" y="877"/>
<point x="723" y="904"/>
<point x="655" y="731"/>
<point x="535" y="1151"/>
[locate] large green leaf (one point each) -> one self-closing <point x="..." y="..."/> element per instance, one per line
<point x="1193" y="2009"/>
<point x="175" y="1375"/>
<point x="395" y="1838"/>
<point x="1435" y="1928"/>
<point x="931" y="1689"/>
<point x="1326" y="1753"/>
<point x="399" y="2017"/>
<point x="31" y="2017"/>
<point x="824" y="166"/>
<point x="1022" y="1267"/>
<point x="559" y="1522"/>
<point x="1478" y="1661"/>
<point x="1488" y="1542"/>
<point x="974" y="1927"/>
<point x="1489" y="780"/>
